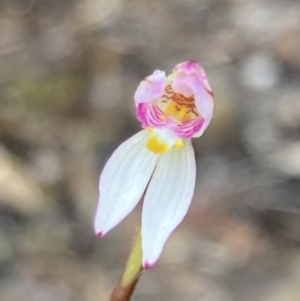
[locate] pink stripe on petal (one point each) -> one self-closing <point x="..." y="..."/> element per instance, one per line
<point x="149" y="115"/>
<point x="188" y="128"/>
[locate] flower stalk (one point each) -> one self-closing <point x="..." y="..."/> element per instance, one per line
<point x="126" y="286"/>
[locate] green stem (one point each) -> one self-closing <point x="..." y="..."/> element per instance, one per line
<point x="125" y="288"/>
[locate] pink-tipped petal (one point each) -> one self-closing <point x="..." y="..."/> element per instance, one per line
<point x="151" y="88"/>
<point x="148" y="265"/>
<point x="123" y="182"/>
<point x="205" y="105"/>
<point x="204" y="99"/>
<point x="188" y="67"/>
<point x="100" y="234"/>
<point x="167" y="200"/>
<point x="192" y="67"/>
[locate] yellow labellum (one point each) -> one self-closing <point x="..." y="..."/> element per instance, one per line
<point x="156" y="146"/>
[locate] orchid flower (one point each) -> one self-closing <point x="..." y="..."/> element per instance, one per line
<point x="157" y="162"/>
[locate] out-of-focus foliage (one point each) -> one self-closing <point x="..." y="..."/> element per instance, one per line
<point x="68" y="72"/>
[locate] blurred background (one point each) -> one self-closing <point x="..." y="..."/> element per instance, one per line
<point x="68" y="73"/>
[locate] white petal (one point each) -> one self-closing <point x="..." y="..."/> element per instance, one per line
<point x="167" y="199"/>
<point x="123" y="182"/>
